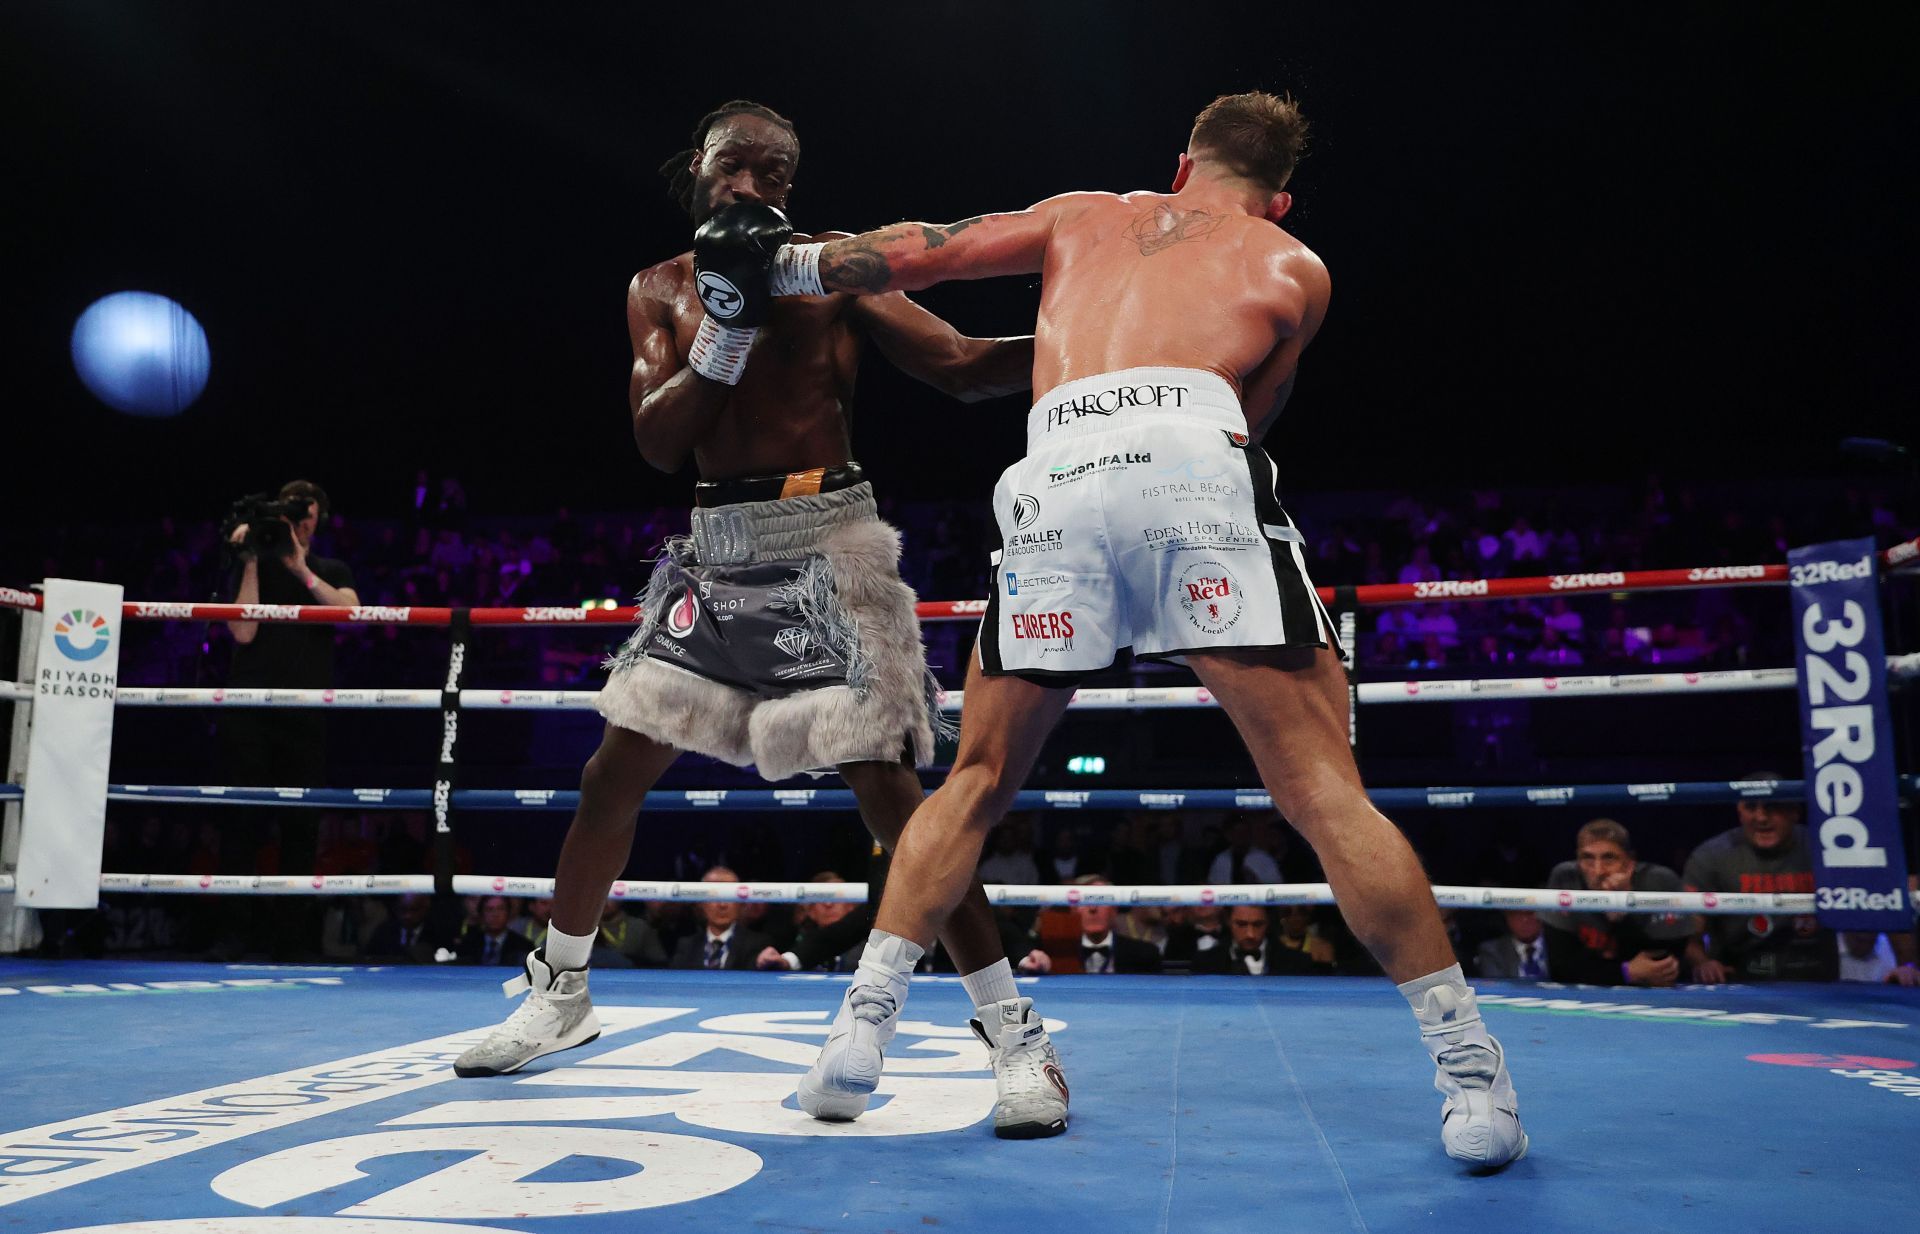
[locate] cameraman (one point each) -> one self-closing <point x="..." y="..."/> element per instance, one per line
<point x="282" y="746"/>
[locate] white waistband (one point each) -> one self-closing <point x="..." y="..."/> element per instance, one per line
<point x="1096" y="404"/>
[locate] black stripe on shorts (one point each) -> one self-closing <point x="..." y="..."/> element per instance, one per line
<point x="1300" y="613"/>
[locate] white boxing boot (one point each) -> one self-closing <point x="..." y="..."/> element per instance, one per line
<point x="1480" y="1119"/>
<point x="557" y="1015"/>
<point x="1032" y="1091"/>
<point x="836" y="1088"/>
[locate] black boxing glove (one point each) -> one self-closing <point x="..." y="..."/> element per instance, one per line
<point x="732" y="253"/>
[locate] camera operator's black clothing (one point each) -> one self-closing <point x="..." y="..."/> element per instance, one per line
<point x="286" y="656"/>
<point x="282" y="746"/>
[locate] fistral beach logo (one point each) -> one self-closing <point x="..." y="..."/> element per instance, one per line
<point x="82" y="635"/>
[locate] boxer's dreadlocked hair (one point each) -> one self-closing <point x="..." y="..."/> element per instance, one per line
<point x="678" y="170"/>
<point x="1258" y="136"/>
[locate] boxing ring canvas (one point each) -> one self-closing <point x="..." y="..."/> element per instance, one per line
<point x="192" y="1097"/>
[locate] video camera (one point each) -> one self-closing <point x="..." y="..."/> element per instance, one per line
<point x="269" y="522"/>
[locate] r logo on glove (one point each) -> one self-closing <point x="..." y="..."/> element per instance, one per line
<point x="721" y="298"/>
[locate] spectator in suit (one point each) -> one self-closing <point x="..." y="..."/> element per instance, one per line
<point x="1101" y="949"/>
<point x="493" y="943"/>
<point x="1519" y="953"/>
<point x="724" y="943"/>
<point x="1257" y="951"/>
<point x="407" y="936"/>
<point x="829" y="932"/>
<point x="1193" y="932"/>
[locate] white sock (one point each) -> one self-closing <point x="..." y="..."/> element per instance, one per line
<point x="565" y="950"/>
<point x="992" y="984"/>
<point x="1445" y="1007"/>
<point x="889" y="958"/>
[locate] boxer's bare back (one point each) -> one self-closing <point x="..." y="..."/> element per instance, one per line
<point x="1203" y="279"/>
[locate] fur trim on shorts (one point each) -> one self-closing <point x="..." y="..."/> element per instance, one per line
<point x="886" y="709"/>
<point x="678" y="708"/>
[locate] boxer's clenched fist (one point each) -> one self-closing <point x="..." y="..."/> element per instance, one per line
<point x="732" y="253"/>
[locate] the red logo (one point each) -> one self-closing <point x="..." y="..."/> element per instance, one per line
<point x="1412" y="687"/>
<point x="506" y="697"/>
<point x="219" y="696"/>
<point x="1710" y="900"/>
<point x="619" y="891"/>
<point x="1549" y="683"/>
<point x="319" y="881"/>
<point x="1203" y="695"/>
<point x="742" y="893"/>
<point x="326" y="696"/>
<point x="1566" y="899"/>
<point x="1209" y="588"/>
<point x="206" y="881"/>
<point x="1692" y="679"/>
<point x="1206" y="895"/>
<point x="1864" y="1062"/>
<point x="1073" y="895"/>
<point x="499" y="884"/>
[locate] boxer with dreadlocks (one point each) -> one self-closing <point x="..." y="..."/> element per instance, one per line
<point x="779" y="633"/>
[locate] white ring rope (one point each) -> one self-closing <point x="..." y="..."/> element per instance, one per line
<point x="1122" y="698"/>
<point x="1543" y="899"/>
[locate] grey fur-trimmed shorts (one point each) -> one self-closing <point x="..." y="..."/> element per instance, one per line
<point x="780" y="635"/>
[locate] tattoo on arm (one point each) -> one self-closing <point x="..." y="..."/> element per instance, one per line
<point x="854" y="265"/>
<point x="1160" y="228"/>
<point x="937" y="236"/>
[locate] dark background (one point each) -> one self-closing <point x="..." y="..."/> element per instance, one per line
<point x="1573" y="244"/>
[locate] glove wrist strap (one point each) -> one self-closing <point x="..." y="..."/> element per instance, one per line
<point x="796" y="271"/>
<point x="719" y="353"/>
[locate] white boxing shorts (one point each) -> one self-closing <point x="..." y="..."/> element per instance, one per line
<point x="1142" y="517"/>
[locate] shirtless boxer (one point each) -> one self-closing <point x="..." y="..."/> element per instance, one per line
<point x="779" y="633"/>
<point x="1171" y="326"/>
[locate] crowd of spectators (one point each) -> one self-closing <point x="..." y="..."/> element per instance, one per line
<point x="431" y="550"/>
<point x="436" y="552"/>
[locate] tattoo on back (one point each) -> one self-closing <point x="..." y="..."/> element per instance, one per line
<point x="937" y="236"/>
<point x="1160" y="228"/>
